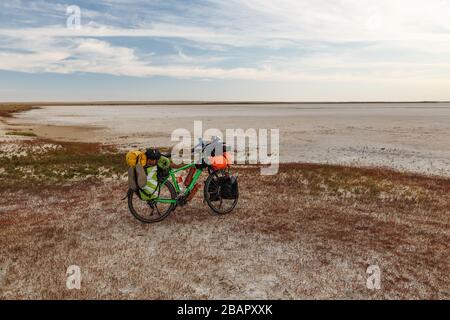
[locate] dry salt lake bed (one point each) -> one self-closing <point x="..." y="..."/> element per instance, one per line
<point x="407" y="137"/>
<point x="311" y="231"/>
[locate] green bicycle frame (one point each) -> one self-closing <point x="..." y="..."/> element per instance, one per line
<point x="172" y="176"/>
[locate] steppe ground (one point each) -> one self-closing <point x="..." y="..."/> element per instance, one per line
<point x="311" y="231"/>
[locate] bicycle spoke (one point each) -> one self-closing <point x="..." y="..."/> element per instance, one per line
<point x="157" y="210"/>
<point x="216" y="187"/>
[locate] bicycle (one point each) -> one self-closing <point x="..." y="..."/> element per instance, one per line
<point x="169" y="195"/>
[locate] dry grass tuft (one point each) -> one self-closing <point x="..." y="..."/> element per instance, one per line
<point x="21" y="133"/>
<point x="7" y="110"/>
<point x="39" y="163"/>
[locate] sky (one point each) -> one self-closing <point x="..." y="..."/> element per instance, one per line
<point x="252" y="50"/>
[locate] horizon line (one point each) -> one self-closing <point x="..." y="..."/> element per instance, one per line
<point x="201" y="102"/>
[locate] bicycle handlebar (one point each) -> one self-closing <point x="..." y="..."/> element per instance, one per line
<point x="202" y="144"/>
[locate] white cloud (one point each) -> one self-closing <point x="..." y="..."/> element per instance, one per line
<point x="404" y="39"/>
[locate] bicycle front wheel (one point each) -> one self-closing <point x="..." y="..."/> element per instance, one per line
<point x="152" y="211"/>
<point x="213" y="197"/>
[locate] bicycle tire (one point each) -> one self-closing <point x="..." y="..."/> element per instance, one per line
<point x="132" y="195"/>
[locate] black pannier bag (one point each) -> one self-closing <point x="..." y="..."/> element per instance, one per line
<point x="226" y="188"/>
<point x="229" y="188"/>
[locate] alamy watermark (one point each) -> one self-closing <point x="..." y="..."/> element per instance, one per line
<point x="73" y="21"/>
<point x="73" y="277"/>
<point x="249" y="146"/>
<point x="374" y="280"/>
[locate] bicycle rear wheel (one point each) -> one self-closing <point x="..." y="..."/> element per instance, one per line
<point x="152" y="211"/>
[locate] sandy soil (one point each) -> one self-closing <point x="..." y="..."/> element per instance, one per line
<point x="306" y="240"/>
<point x="411" y="138"/>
